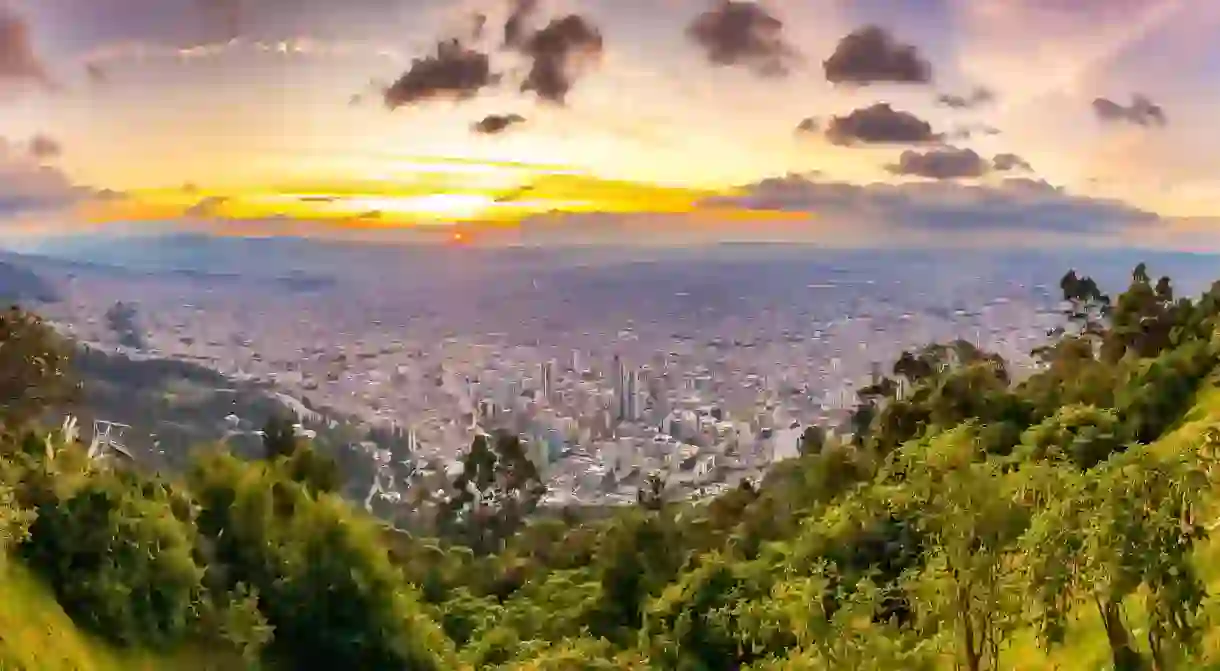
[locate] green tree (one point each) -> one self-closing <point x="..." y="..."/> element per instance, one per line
<point x="1081" y="434"/>
<point x="970" y="517"/>
<point x="120" y="552"/>
<point x="1124" y="528"/>
<point x="496" y="491"/>
<point x="280" y="437"/>
<point x="321" y="571"/>
<point x="813" y="439"/>
<point x="651" y="493"/>
<point x="35" y="369"/>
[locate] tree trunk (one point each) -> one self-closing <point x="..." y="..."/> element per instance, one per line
<point x="1123" y="653"/>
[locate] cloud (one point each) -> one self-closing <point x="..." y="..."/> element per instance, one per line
<point x="453" y="72"/>
<point x="1016" y="207"/>
<point x="109" y="195"/>
<point x="879" y="124"/>
<point x="1012" y="213"/>
<point x="27" y="187"/>
<point x="558" y="53"/>
<point x="743" y="34"/>
<point x="809" y="124"/>
<point x="18" y="60"/>
<point x="981" y="95"/>
<point x="228" y="14"/>
<point x="943" y="163"/>
<point x="493" y="124"/>
<point x="946" y="163"/>
<point x="1007" y="162"/>
<point x="1141" y="111"/>
<point x="43" y="147"/>
<point x="515" y="29"/>
<point x="870" y="55"/>
<point x="96" y="73"/>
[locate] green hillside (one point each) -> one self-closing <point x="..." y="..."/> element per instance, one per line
<point x="36" y="635"/>
<point x="970" y="520"/>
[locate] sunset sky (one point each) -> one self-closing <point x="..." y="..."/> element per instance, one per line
<point x="249" y="109"/>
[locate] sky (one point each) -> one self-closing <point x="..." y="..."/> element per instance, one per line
<point x="838" y="121"/>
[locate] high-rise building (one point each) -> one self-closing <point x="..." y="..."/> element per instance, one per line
<point x="546" y="376"/>
<point x="618" y="406"/>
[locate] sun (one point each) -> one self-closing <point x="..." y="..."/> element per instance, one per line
<point x="439" y="206"/>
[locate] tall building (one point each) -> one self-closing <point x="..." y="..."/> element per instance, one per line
<point x="546" y="377"/>
<point x="618" y="407"/>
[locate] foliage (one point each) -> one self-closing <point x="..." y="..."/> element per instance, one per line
<point x="324" y="580"/>
<point x="969" y="515"/>
<point x="120" y="555"/>
<point x="35" y="368"/>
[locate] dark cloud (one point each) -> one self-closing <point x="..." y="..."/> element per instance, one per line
<point x="478" y="24"/>
<point x="743" y="34"/>
<point x="558" y="53"/>
<point x="870" y="55"/>
<point x="1141" y="111"/>
<point x="109" y="195"/>
<point x="879" y="124"/>
<point x="1008" y="162"/>
<point x="1017" y="206"/>
<point x="809" y="125"/>
<point x="516" y="30"/>
<point x="496" y="123"/>
<point x="43" y="147"/>
<point x="28" y="187"/>
<point x="18" y="60"/>
<point x="981" y="95"/>
<point x="942" y="163"/>
<point x="96" y="73"/>
<point x="453" y="72"/>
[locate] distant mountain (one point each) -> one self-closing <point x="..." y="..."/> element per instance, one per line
<point x="22" y="286"/>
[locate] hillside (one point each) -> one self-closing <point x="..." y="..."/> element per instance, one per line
<point x="970" y="520"/>
<point x="38" y="636"/>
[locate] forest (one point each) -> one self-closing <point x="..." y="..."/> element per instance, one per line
<point x="972" y="518"/>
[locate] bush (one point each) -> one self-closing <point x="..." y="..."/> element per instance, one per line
<point x="325" y="580"/>
<point x="120" y="561"/>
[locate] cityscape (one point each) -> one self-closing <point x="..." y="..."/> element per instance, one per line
<point x="706" y="370"/>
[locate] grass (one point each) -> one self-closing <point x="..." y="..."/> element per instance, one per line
<point x="36" y="635"/>
<point x="1085" y="646"/>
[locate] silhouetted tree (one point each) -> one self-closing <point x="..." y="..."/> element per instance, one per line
<point x="813" y="439"/>
<point x="279" y="437"/>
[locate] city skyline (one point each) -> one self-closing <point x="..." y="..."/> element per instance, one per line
<point x="260" y="112"/>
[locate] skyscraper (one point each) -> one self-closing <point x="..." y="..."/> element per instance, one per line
<point x="546" y="376"/>
<point x="630" y="396"/>
<point x="618" y="409"/>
